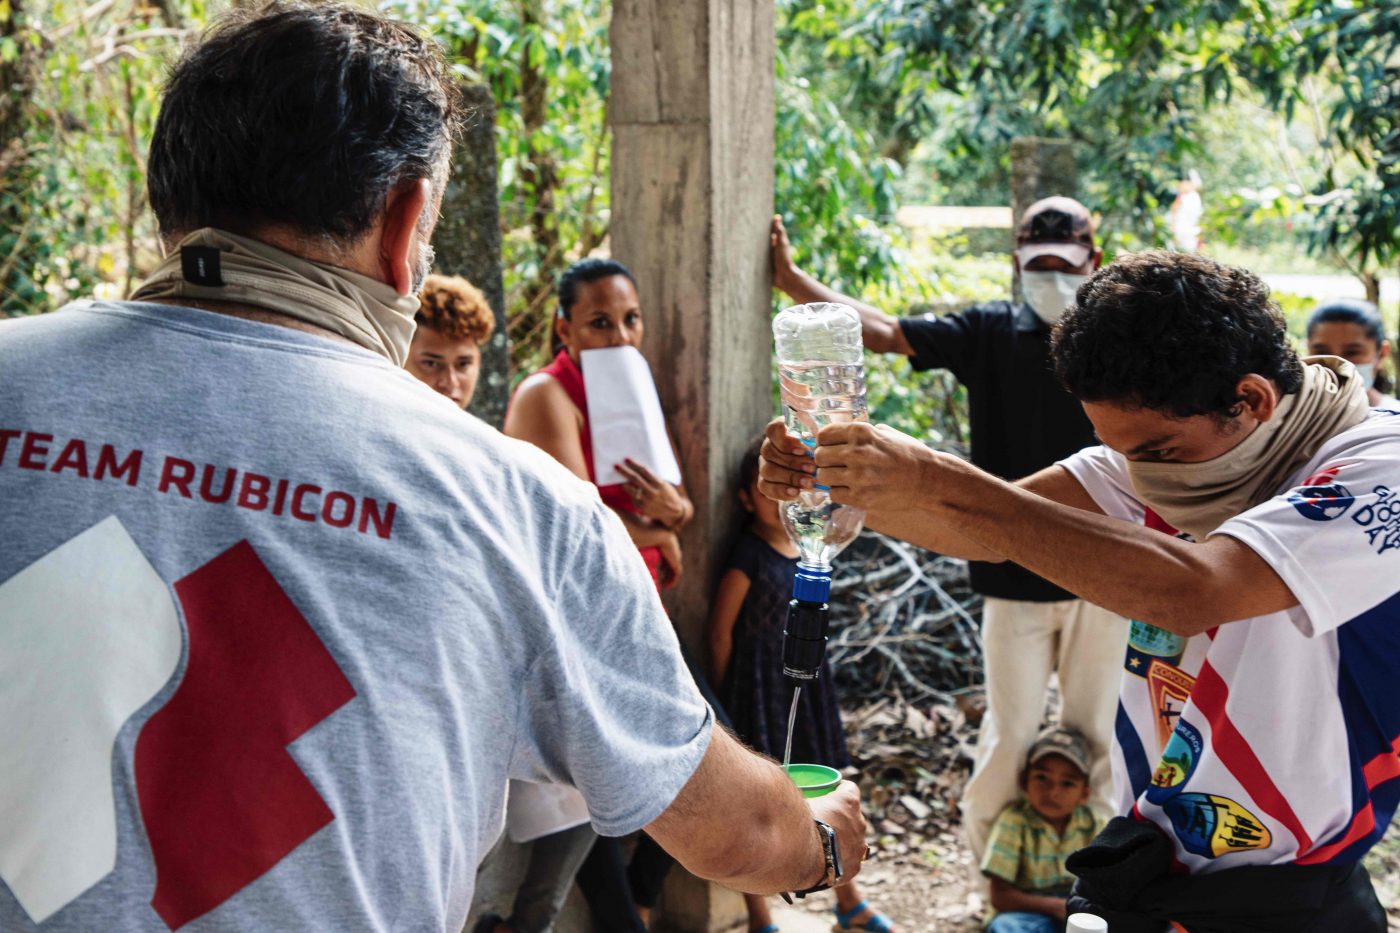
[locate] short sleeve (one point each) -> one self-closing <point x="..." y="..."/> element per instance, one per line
<point x="1104" y="475"/>
<point x="610" y="707"/>
<point x="747" y="556"/>
<point x="1334" y="539"/>
<point x="1003" y="856"/>
<point x="946" y="342"/>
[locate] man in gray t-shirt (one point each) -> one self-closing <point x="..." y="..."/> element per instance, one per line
<point x="279" y="621"/>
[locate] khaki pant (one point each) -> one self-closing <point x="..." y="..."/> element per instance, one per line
<point x="1024" y="643"/>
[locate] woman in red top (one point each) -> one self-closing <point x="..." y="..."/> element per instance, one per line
<point x="598" y="307"/>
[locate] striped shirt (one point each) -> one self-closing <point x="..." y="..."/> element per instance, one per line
<point x="1025" y="851"/>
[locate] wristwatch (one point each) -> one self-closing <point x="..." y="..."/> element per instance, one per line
<point x="832" y="854"/>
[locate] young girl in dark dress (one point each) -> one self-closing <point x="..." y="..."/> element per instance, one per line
<point x="746" y="664"/>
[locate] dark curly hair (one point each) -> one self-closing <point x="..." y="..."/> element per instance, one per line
<point x="1173" y="332"/>
<point x="307" y="115"/>
<point x="455" y="308"/>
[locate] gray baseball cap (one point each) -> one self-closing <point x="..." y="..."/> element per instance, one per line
<point x="1069" y="744"/>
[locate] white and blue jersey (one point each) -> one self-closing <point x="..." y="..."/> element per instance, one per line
<point x="1274" y="739"/>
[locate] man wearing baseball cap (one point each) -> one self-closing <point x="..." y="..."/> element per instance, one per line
<point x="1022" y="421"/>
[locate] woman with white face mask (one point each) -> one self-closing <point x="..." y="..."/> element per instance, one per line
<point x="1354" y="331"/>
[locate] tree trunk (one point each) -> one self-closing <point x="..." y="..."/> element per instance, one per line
<point x="1371" y="281"/>
<point x="468" y="242"/>
<point x="541" y="178"/>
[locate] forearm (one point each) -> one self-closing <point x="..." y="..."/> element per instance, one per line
<point x="1126" y="568"/>
<point x="879" y="330"/>
<point x="920" y="527"/>
<point x="685" y="511"/>
<point x="642" y="532"/>
<point x="742" y="823"/>
<point x="721" y="647"/>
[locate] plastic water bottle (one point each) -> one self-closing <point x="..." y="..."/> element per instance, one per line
<point x="821" y="367"/>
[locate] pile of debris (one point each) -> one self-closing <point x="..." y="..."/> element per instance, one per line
<point x="907" y="660"/>
<point x="903" y="620"/>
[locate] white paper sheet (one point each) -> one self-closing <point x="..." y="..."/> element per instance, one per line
<point x="535" y="810"/>
<point x="624" y="416"/>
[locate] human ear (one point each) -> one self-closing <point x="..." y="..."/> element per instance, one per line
<point x="746" y="500"/>
<point x="1257" y="396"/>
<point x="398" y="252"/>
<point x="563" y="328"/>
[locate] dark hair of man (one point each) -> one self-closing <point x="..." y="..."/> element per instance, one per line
<point x="583" y="272"/>
<point x="1173" y="332"/>
<point x="303" y="115"/>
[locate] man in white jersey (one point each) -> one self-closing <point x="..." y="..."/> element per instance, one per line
<point x="280" y="622"/>
<point x="1245" y="508"/>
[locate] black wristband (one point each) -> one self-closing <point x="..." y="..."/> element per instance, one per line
<point x="831" y="862"/>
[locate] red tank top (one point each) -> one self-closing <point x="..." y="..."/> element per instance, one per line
<point x="566" y="372"/>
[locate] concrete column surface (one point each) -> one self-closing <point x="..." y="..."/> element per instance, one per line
<point x="692" y="194"/>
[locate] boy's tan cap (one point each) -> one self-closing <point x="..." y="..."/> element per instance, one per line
<point x="1067" y="743"/>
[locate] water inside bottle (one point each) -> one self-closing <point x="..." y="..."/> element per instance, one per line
<point x="821" y="392"/>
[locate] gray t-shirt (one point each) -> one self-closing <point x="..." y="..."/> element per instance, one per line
<point x="278" y="624"/>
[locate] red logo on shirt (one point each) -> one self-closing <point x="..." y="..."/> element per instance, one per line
<point x="222" y="800"/>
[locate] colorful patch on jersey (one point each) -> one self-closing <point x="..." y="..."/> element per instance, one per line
<point x="1211" y="825"/>
<point x="1320" y="499"/>
<point x="1381" y="520"/>
<point x="1178" y="763"/>
<point x="1147" y="643"/>
<point x="1170" y="688"/>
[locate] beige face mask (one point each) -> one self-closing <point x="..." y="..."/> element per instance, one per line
<point x="215" y="265"/>
<point x="1198" y="498"/>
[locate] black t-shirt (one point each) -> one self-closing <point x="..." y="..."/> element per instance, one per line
<point x="1022" y="418"/>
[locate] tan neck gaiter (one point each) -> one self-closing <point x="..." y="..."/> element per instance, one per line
<point x="1200" y="497"/>
<point x="214" y="265"/>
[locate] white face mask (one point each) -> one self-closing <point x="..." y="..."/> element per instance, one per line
<point x="1367" y="373"/>
<point x="1050" y="293"/>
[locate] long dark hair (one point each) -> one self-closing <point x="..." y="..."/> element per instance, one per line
<point x="581" y="273"/>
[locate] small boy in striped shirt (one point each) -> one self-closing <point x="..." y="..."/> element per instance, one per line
<point x="1026" y="851"/>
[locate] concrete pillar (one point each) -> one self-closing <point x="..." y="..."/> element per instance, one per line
<point x="468" y="242"/>
<point x="1040" y="168"/>
<point x="692" y="193"/>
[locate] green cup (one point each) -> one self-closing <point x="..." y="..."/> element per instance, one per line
<point x="814" y="780"/>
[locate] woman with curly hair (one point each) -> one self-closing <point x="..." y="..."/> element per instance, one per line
<point x="454" y="323"/>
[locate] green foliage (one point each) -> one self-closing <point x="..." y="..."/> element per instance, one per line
<point x="1360" y="47"/>
<point x="1146" y="90"/>
<point x="547" y="63"/>
<point x="76" y="182"/>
